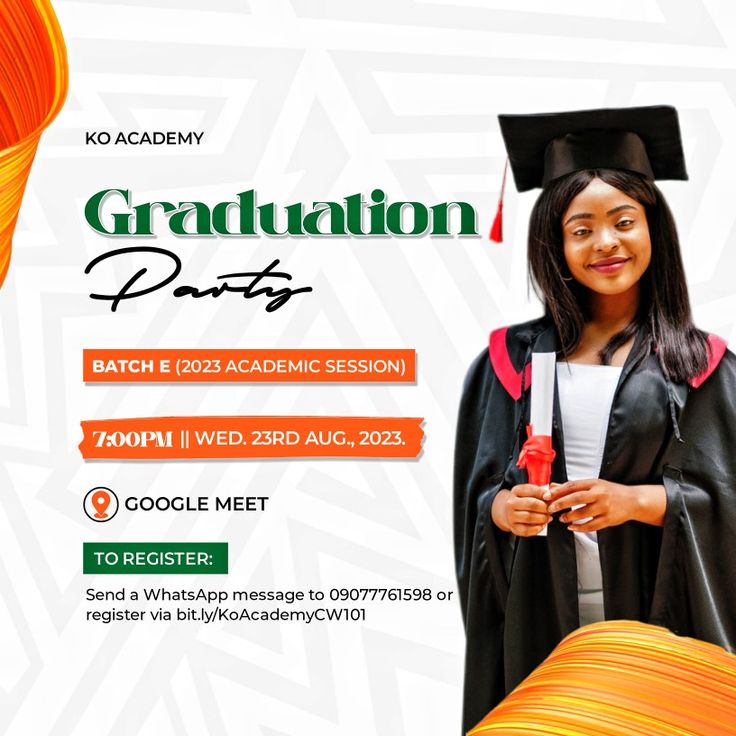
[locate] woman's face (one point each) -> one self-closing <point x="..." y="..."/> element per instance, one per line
<point x="606" y="239"/>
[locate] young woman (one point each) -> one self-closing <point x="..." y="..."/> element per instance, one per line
<point x="641" y="516"/>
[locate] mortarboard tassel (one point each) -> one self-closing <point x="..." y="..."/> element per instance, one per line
<point x="496" y="234"/>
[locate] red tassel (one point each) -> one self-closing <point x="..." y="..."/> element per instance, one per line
<point x="496" y="234"/>
<point x="497" y="228"/>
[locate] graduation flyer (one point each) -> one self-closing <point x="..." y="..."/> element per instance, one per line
<point x="364" y="367"/>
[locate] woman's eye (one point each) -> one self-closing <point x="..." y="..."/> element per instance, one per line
<point x="580" y="231"/>
<point x="625" y="222"/>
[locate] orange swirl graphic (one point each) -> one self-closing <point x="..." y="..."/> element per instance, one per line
<point x="33" y="83"/>
<point x="622" y="678"/>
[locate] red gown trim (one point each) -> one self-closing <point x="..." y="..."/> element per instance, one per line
<point x="503" y="367"/>
<point x="716" y="351"/>
<point x="511" y="378"/>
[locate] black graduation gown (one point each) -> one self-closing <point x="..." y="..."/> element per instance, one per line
<point x="519" y="595"/>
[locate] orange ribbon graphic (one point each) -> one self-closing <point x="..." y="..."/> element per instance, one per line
<point x="619" y="678"/>
<point x="33" y="84"/>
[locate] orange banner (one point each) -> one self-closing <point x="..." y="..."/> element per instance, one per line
<point x="205" y="438"/>
<point x="250" y="366"/>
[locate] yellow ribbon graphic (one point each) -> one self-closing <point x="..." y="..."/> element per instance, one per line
<point x="34" y="78"/>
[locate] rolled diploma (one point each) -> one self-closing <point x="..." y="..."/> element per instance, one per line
<point x="543" y="392"/>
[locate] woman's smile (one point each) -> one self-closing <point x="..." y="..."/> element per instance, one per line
<point x="609" y="265"/>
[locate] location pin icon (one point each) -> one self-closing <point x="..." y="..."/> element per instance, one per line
<point x="101" y="500"/>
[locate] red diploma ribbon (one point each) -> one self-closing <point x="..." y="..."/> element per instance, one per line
<point x="536" y="456"/>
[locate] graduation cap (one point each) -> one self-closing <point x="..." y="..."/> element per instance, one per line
<point x="546" y="146"/>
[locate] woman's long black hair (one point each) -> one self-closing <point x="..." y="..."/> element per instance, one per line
<point x="664" y="306"/>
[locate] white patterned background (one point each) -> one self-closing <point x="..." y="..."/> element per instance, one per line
<point x="302" y="100"/>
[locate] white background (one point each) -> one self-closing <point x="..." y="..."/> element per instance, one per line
<point x="301" y="100"/>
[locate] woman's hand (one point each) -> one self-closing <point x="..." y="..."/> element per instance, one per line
<point x="521" y="510"/>
<point x="609" y="504"/>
